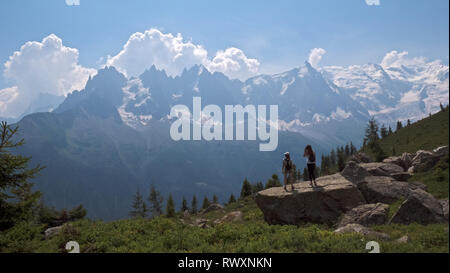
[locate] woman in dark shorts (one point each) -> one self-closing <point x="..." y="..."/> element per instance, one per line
<point x="311" y="163"/>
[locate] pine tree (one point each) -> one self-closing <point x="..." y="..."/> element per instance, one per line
<point x="442" y="107"/>
<point x="194" y="205"/>
<point x="383" y="131"/>
<point x="408" y="122"/>
<point x="139" y="208"/>
<point x="257" y="187"/>
<point x="215" y="199"/>
<point x="232" y="199"/>
<point x="340" y="159"/>
<point x="399" y="126"/>
<point x="246" y="189"/>
<point x="347" y="151"/>
<point x="390" y="130"/>
<point x="352" y="149"/>
<point x="332" y="159"/>
<point x="372" y="140"/>
<point x="206" y="203"/>
<point x="156" y="202"/>
<point x="184" y="205"/>
<point x="273" y="182"/>
<point x="17" y="199"/>
<point x="170" y="207"/>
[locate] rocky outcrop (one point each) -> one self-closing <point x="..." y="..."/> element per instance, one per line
<point x="230" y="217"/>
<point x="366" y="215"/>
<point x="53" y="231"/>
<point x="420" y="207"/>
<point x="385" y="189"/>
<point x="444" y="204"/>
<point x="406" y="161"/>
<point x="360" y="158"/>
<point x="356" y="228"/>
<point x="354" y="172"/>
<point x="425" y="160"/>
<point x="212" y="207"/>
<point x="325" y="203"/>
<point x="381" y="169"/>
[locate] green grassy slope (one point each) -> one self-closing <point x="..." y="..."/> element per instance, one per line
<point x="251" y="234"/>
<point x="426" y="134"/>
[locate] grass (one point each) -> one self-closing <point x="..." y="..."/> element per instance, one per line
<point x="251" y="234"/>
<point x="426" y="134"/>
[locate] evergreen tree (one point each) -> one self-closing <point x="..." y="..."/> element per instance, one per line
<point x="352" y="149"/>
<point x="257" y="187"/>
<point x="184" y="205"/>
<point x="156" y="202"/>
<point x="399" y="126"/>
<point x="383" y="131"/>
<point x="232" y="199"/>
<point x="246" y="189"/>
<point x="408" y="122"/>
<point x="347" y="151"/>
<point x="390" y="130"/>
<point x="206" y="203"/>
<point x="332" y="159"/>
<point x="170" y="207"/>
<point x="215" y="199"/>
<point x="442" y="107"/>
<point x="194" y="205"/>
<point x="273" y="182"/>
<point x="139" y="208"/>
<point x="17" y="199"/>
<point x="340" y="159"/>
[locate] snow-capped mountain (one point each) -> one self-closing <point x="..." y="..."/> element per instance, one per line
<point x="394" y="91"/>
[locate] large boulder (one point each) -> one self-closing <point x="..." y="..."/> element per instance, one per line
<point x="397" y="160"/>
<point x="381" y="169"/>
<point x="385" y="189"/>
<point x="324" y="203"/>
<point x="360" y="157"/>
<point x="53" y="231"/>
<point x="407" y="160"/>
<point x="424" y="161"/>
<point x="420" y="207"/>
<point x="444" y="204"/>
<point x="357" y="228"/>
<point x="366" y="215"/>
<point x="212" y="207"/>
<point x="354" y="172"/>
<point x="403" y="176"/>
<point x="441" y="151"/>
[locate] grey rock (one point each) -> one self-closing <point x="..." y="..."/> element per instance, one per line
<point x="441" y="151"/>
<point x="384" y="189"/>
<point x="381" y="169"/>
<point x="53" y="231"/>
<point x="424" y="161"/>
<point x="366" y="215"/>
<point x="420" y="207"/>
<point x="407" y="160"/>
<point x="403" y="176"/>
<point x="212" y="207"/>
<point x="402" y="240"/>
<point x="354" y="172"/>
<point x="444" y="204"/>
<point x="360" y="157"/>
<point x="230" y="217"/>
<point x="356" y="228"/>
<point x="333" y="196"/>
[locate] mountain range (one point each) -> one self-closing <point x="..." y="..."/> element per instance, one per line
<point x="105" y="142"/>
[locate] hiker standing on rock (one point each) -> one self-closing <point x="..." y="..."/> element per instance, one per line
<point x="311" y="163"/>
<point x="287" y="171"/>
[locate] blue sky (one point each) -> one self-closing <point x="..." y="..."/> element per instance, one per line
<point x="279" y="34"/>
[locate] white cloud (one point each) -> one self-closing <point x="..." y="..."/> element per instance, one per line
<point x="398" y="59"/>
<point x="233" y="63"/>
<point x="315" y="56"/>
<point x="373" y="2"/>
<point x="173" y="54"/>
<point x="46" y="67"/>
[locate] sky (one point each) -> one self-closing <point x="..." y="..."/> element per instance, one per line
<point x="256" y="36"/>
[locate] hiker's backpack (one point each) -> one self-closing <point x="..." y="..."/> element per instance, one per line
<point x="288" y="165"/>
